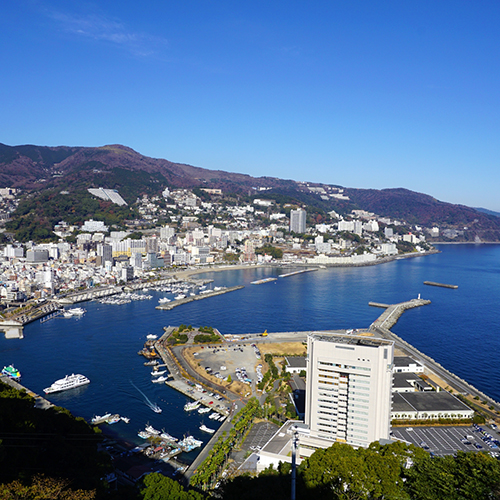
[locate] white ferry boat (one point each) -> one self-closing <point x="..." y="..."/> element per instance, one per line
<point x="68" y="382"/>
<point x="11" y="372"/>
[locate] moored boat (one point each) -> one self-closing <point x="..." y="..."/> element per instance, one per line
<point x="204" y="428"/>
<point x="11" y="372"/>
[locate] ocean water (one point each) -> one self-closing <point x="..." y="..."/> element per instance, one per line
<point x="460" y="329"/>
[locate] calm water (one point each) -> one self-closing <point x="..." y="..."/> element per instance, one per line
<point x="460" y="329"/>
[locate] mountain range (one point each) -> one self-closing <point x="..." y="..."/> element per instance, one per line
<point x="37" y="169"/>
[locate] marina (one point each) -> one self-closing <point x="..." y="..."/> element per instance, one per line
<point x="83" y="346"/>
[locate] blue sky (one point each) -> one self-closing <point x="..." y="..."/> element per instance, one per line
<point x="355" y="93"/>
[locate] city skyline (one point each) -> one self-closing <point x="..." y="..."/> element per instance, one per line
<point x="368" y="96"/>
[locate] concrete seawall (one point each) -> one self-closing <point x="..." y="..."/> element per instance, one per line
<point x="180" y="302"/>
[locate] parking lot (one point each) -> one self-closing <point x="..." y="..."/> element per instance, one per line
<point x="222" y="361"/>
<point x="448" y="440"/>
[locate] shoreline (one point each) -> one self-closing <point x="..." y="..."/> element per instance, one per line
<point x="235" y="267"/>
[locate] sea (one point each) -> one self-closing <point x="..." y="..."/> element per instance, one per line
<point x="460" y="329"/>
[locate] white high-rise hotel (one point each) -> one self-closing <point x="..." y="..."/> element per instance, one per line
<point x="348" y="392"/>
<point x="298" y="221"/>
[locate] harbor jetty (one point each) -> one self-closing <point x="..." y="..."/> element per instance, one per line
<point x="394" y="311"/>
<point x="211" y="293"/>
<point x="293" y="273"/>
<point x="442" y="285"/>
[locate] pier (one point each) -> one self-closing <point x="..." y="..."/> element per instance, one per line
<point x="442" y="285"/>
<point x="293" y="273"/>
<point x="180" y="302"/>
<point x="393" y="312"/>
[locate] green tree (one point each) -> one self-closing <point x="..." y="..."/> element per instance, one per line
<point x="158" y="487"/>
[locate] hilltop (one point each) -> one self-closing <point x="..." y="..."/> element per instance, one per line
<point x="38" y="170"/>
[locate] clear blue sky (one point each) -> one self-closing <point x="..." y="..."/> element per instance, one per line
<point x="356" y="93"/>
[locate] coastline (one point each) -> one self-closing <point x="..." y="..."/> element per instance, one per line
<point x="192" y="272"/>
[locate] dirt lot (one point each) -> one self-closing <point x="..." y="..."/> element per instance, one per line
<point x="290" y="348"/>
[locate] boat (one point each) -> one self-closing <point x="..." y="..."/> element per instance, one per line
<point x="168" y="437"/>
<point x="164" y="300"/>
<point x="194" y="405"/>
<point x="100" y="420"/>
<point x="113" y="419"/>
<point x="77" y="311"/>
<point x="151" y="336"/>
<point x="204" y="428"/>
<point x="153" y="362"/>
<point x="68" y="382"/>
<point x="203" y="410"/>
<point x="159" y="380"/>
<point x="189" y="443"/>
<point x="214" y="416"/>
<point x="11" y="372"/>
<point x="125" y="419"/>
<point x="152" y="430"/>
<point x="144" y="434"/>
<point x="180" y="296"/>
<point x="157" y="373"/>
<point x="155" y="408"/>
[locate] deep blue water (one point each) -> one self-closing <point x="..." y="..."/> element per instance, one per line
<point x="460" y="329"/>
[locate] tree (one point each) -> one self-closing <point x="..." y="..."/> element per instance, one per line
<point x="159" y="487"/>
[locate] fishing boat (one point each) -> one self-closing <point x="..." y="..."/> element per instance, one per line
<point x="204" y="428"/>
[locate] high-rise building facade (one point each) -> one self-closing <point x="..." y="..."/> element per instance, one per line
<point x="298" y="221"/>
<point x="348" y="393"/>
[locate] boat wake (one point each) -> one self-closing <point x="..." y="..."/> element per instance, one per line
<point x="148" y="402"/>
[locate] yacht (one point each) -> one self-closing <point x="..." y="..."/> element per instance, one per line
<point x="164" y="300"/>
<point x="159" y="380"/>
<point x="77" y="311"/>
<point x="151" y="336"/>
<point x="157" y="373"/>
<point x="194" y="405"/>
<point x="100" y="419"/>
<point x="203" y="410"/>
<point x="68" y="382"/>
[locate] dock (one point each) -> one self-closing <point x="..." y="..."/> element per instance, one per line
<point x="442" y="285"/>
<point x="213" y="293"/>
<point x="293" y="273"/>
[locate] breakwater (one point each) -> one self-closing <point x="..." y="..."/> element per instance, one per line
<point x="442" y="285"/>
<point x="201" y="296"/>
<point x="394" y="311"/>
